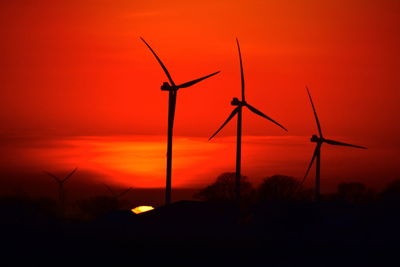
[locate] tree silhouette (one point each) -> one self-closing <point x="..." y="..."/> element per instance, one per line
<point x="223" y="189"/>
<point x="281" y="188"/>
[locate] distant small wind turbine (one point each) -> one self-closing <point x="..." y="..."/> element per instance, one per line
<point x="238" y="111"/>
<point x="317" y="152"/>
<point x="116" y="195"/>
<point x="60" y="182"/>
<point x="172" y="88"/>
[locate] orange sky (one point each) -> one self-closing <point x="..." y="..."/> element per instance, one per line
<point x="78" y="68"/>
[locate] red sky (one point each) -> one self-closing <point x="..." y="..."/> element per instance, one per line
<point x="75" y="73"/>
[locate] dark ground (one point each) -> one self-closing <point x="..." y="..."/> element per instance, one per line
<point x="203" y="234"/>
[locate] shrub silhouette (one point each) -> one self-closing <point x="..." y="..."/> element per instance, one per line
<point x="97" y="206"/>
<point x="281" y="188"/>
<point x="354" y="192"/>
<point x="223" y="189"/>
<point x="391" y="192"/>
<point x="27" y="210"/>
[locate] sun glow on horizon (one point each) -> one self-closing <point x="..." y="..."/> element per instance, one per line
<point x="139" y="161"/>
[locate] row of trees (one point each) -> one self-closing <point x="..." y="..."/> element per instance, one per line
<point x="286" y="188"/>
<point x="277" y="188"/>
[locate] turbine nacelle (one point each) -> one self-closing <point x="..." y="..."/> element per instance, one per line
<point x="315" y="138"/>
<point x="236" y="102"/>
<point x="166" y="87"/>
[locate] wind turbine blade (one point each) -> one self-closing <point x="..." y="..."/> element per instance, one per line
<point x="256" y="111"/>
<point x="241" y="70"/>
<point x="124" y="192"/>
<point x="311" y="162"/>
<point x="160" y="62"/>
<point x="315" y="113"/>
<point x="227" y="120"/>
<point x="337" y="143"/>
<point x="184" y="85"/>
<point x="109" y="189"/>
<point x="69" y="175"/>
<point x="53" y="176"/>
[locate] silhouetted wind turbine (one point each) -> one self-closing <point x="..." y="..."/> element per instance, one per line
<point x="117" y="195"/>
<point x="238" y="111"/>
<point x="60" y="182"/>
<point x="172" y="88"/>
<point x="317" y="152"/>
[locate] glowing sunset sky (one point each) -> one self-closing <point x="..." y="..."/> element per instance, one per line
<point x="78" y="87"/>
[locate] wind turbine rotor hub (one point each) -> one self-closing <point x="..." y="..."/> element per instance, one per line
<point x="166" y="87"/>
<point x="315" y="138"/>
<point x="236" y="102"/>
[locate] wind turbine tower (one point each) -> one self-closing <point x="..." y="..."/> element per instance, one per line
<point x="320" y="140"/>
<point x="239" y="104"/>
<point x="61" y="182"/>
<point x="172" y="89"/>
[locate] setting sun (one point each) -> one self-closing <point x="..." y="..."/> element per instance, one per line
<point x="141" y="209"/>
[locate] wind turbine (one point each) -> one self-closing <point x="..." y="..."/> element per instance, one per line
<point x="172" y="89"/>
<point x="60" y="182"/>
<point x="319" y="140"/>
<point x="239" y="104"/>
<point x="116" y="195"/>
